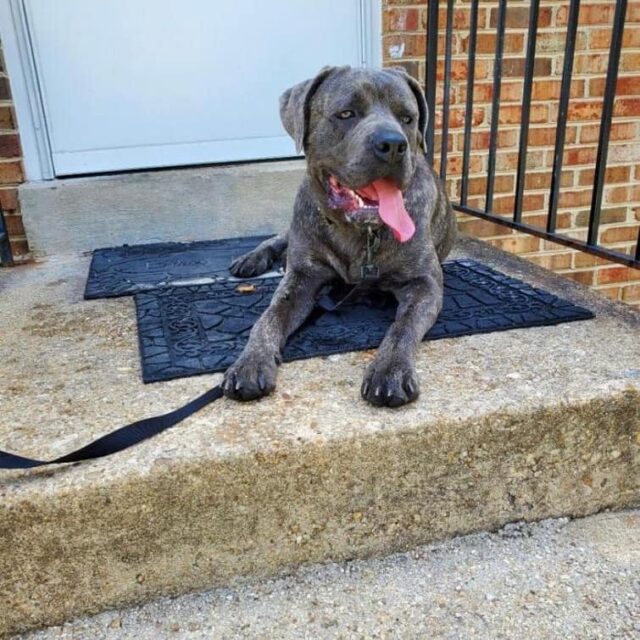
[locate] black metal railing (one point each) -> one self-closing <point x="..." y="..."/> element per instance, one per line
<point x="591" y="245"/>
<point x="6" y="257"/>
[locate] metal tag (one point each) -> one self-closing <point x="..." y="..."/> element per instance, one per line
<point x="369" y="272"/>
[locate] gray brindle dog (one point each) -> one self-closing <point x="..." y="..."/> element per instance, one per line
<point x="370" y="210"/>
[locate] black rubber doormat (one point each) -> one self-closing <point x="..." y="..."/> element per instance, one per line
<point x="194" y="329"/>
<point x="123" y="271"/>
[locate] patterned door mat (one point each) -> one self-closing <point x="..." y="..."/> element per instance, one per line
<point x="194" y="329"/>
<point x="123" y="271"/>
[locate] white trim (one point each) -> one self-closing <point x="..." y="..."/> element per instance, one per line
<point x="371" y="21"/>
<point x="25" y="91"/>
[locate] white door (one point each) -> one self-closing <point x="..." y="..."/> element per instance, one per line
<point x="129" y="84"/>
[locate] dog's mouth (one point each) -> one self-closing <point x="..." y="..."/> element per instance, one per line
<point x="381" y="199"/>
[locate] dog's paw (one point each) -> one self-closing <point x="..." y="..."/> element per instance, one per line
<point x="250" y="378"/>
<point x="252" y="264"/>
<point x="390" y="384"/>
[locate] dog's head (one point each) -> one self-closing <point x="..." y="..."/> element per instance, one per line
<point x="361" y="130"/>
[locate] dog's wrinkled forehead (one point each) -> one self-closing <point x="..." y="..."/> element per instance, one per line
<point x="364" y="89"/>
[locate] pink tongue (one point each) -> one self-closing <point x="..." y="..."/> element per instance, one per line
<point x="391" y="208"/>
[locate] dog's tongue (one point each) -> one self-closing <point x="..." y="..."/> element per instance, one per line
<point x="391" y="208"/>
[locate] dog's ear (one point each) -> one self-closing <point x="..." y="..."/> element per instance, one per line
<point x="423" y="118"/>
<point x="295" y="106"/>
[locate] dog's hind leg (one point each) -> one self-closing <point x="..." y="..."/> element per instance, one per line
<point x="262" y="258"/>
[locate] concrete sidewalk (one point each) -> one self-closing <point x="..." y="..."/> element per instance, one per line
<point x="573" y="580"/>
<point x="524" y="424"/>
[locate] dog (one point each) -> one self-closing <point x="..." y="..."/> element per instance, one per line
<point x="370" y="211"/>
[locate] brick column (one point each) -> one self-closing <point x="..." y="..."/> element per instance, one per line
<point x="11" y="171"/>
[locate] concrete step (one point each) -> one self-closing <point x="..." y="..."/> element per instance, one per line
<point x="75" y="215"/>
<point x="554" y="579"/>
<point x="519" y="425"/>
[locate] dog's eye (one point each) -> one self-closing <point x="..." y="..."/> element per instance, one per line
<point x="407" y="119"/>
<point x="346" y="114"/>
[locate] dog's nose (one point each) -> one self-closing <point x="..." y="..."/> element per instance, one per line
<point x="389" y="146"/>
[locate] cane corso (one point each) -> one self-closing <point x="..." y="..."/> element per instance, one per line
<point x="370" y="211"/>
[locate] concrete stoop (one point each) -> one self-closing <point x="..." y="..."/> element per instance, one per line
<point x="518" y="425"/>
<point x="73" y="215"/>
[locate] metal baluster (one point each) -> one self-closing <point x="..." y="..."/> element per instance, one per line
<point x="495" y="106"/>
<point x="605" y="122"/>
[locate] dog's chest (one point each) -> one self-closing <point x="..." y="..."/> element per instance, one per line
<point x="359" y="261"/>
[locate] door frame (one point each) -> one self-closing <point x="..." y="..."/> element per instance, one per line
<point x="27" y="96"/>
<point x="25" y="91"/>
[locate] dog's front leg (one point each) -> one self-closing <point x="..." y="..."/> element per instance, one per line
<point x="253" y="374"/>
<point x="391" y="380"/>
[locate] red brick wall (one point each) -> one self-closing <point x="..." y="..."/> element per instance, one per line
<point x="404" y="42"/>
<point x="11" y="173"/>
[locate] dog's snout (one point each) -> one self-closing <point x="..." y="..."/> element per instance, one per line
<point x="389" y="146"/>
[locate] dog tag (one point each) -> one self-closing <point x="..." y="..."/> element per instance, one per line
<point x="369" y="272"/>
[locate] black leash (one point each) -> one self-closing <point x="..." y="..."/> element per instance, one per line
<point x="120" y="439"/>
<point x="136" y="432"/>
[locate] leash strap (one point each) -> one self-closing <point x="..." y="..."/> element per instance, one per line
<point x="144" y="429"/>
<point x="325" y="301"/>
<point x="136" y="432"/>
<point x="120" y="439"/>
